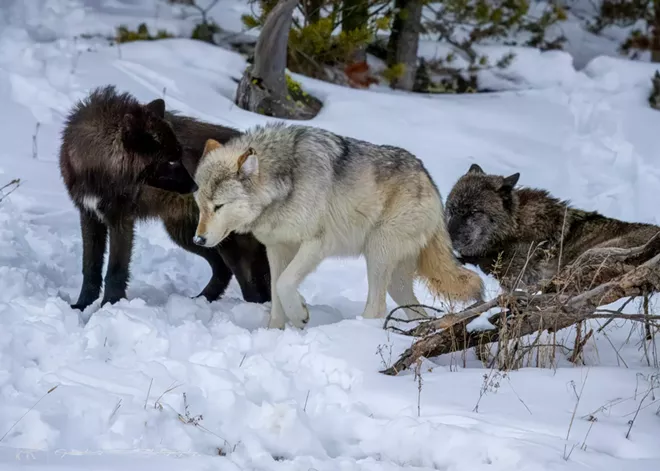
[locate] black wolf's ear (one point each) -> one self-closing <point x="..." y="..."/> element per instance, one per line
<point x="474" y="168"/>
<point x="509" y="182"/>
<point x="157" y="107"/>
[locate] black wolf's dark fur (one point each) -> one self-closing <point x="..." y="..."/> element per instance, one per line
<point x="492" y="224"/>
<point x="123" y="161"/>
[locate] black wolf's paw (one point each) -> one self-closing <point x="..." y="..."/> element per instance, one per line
<point x="210" y="296"/>
<point x="80" y="306"/>
<point x="110" y="300"/>
<point x="259" y="297"/>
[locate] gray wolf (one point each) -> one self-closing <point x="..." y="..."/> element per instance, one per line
<point x="123" y="161"/>
<point x="498" y="227"/>
<point x="308" y="194"/>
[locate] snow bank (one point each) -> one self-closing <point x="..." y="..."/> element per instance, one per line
<point x="618" y="74"/>
<point x="530" y="68"/>
<point x="295" y="400"/>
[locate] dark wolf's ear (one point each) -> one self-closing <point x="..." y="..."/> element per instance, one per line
<point x="157" y="107"/>
<point x="509" y="182"/>
<point x="474" y="168"/>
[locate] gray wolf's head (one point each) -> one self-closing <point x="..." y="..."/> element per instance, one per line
<point x="480" y="211"/>
<point x="227" y="178"/>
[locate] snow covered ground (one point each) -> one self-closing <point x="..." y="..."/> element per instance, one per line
<point x="312" y="399"/>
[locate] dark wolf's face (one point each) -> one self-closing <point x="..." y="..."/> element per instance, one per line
<point x="480" y="211"/>
<point x="147" y="136"/>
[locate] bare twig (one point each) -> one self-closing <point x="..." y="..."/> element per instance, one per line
<point x="27" y="412"/>
<point x="114" y="411"/>
<point x="567" y="454"/>
<point x="171" y="388"/>
<point x="561" y="239"/>
<point x="306" y="399"/>
<point x="146" y="399"/>
<point x="639" y="407"/>
<point x="9" y="188"/>
<point x="35" y="144"/>
<point x="418" y="378"/>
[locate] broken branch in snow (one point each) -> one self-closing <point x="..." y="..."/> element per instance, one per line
<point x="529" y="313"/>
<point x="600" y="265"/>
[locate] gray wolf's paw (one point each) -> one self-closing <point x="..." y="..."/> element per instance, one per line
<point x="276" y="322"/>
<point x="298" y="313"/>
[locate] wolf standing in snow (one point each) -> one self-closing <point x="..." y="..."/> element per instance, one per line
<point x="493" y="225"/>
<point x="123" y="161"/>
<point x="308" y="194"/>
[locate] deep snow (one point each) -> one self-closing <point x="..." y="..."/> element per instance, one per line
<point x="313" y="399"/>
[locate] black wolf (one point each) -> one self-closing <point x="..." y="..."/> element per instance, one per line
<point x="123" y="161"/>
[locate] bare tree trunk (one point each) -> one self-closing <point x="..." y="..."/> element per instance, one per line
<point x="655" y="32"/>
<point x="404" y="41"/>
<point x="263" y="88"/>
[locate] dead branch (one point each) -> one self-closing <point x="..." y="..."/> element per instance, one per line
<point x="9" y="188"/>
<point x="532" y="313"/>
<point x="600" y="265"/>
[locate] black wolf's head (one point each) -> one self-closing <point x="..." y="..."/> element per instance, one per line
<point x="480" y="211"/>
<point x="150" y="139"/>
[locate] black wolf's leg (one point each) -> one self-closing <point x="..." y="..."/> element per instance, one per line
<point x="182" y="233"/>
<point x="247" y="259"/>
<point x="121" y="247"/>
<point x="94" y="236"/>
<point x="221" y="276"/>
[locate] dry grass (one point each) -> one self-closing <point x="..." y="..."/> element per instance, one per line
<point x="9" y="188"/>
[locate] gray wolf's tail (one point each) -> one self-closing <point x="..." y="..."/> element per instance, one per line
<point x="442" y="273"/>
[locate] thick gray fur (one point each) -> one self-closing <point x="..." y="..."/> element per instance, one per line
<point x="508" y="231"/>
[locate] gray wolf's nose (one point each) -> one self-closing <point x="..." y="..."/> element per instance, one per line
<point x="199" y="240"/>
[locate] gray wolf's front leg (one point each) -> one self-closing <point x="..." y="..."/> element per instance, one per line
<point x="279" y="256"/>
<point x="310" y="254"/>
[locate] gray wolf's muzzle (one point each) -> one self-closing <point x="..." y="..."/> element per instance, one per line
<point x="200" y="240"/>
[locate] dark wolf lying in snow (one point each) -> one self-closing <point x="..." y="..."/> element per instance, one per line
<point x="123" y="161"/>
<point x="498" y="227"/>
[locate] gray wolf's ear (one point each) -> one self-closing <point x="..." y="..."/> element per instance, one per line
<point x="509" y="182"/>
<point x="157" y="107"/>
<point x="247" y="163"/>
<point x="474" y="168"/>
<point x="210" y="146"/>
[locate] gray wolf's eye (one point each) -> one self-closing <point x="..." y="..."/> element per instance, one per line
<point x="217" y="207"/>
<point x="172" y="163"/>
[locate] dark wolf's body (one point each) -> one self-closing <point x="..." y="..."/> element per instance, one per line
<point x="497" y="227"/>
<point x="121" y="162"/>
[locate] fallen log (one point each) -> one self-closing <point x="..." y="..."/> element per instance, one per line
<point x="531" y="313"/>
